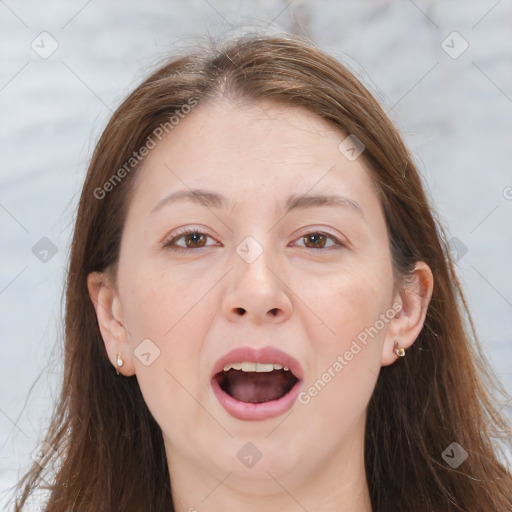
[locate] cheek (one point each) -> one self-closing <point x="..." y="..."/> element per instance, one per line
<point x="345" y="302"/>
<point x="174" y="310"/>
<point x="348" y="347"/>
<point x="337" y="400"/>
<point x="158" y="302"/>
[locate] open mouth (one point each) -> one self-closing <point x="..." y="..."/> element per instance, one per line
<point x="256" y="383"/>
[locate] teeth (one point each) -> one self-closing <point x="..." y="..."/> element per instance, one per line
<point x="248" y="366"/>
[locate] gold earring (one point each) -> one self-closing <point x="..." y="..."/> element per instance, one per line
<point x="120" y="361"/>
<point x="399" y="351"/>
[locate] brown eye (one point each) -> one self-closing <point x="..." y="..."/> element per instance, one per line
<point x="193" y="240"/>
<point x="317" y="240"/>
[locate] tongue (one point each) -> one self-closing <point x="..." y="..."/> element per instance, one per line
<point x="256" y="387"/>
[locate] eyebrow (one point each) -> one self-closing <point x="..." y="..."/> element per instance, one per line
<point x="312" y="201"/>
<point x="293" y="202"/>
<point x="206" y="198"/>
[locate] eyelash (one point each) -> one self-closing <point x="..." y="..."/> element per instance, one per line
<point x="190" y="231"/>
<point x="181" y="234"/>
<point x="336" y="242"/>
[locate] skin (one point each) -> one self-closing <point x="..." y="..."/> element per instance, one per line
<point x="310" y="303"/>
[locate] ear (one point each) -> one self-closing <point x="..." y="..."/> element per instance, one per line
<point x="110" y="320"/>
<point x="414" y="298"/>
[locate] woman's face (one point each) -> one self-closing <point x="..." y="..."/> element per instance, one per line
<point x="286" y="258"/>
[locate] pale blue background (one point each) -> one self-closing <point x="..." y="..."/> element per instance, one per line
<point x="455" y="115"/>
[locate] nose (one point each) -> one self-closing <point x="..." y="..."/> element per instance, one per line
<point x="256" y="293"/>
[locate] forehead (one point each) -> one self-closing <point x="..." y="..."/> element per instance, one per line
<point x="245" y="150"/>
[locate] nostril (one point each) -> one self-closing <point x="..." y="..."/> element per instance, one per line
<point x="241" y="311"/>
<point x="273" y="311"/>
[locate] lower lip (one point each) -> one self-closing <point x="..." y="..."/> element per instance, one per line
<point x="254" y="412"/>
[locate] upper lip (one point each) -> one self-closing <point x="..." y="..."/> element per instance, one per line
<point x="259" y="355"/>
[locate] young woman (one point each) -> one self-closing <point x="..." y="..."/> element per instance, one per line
<point x="262" y="312"/>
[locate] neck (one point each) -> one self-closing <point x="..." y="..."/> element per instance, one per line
<point x="338" y="485"/>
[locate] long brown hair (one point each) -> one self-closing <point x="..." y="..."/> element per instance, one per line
<point x="110" y="450"/>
